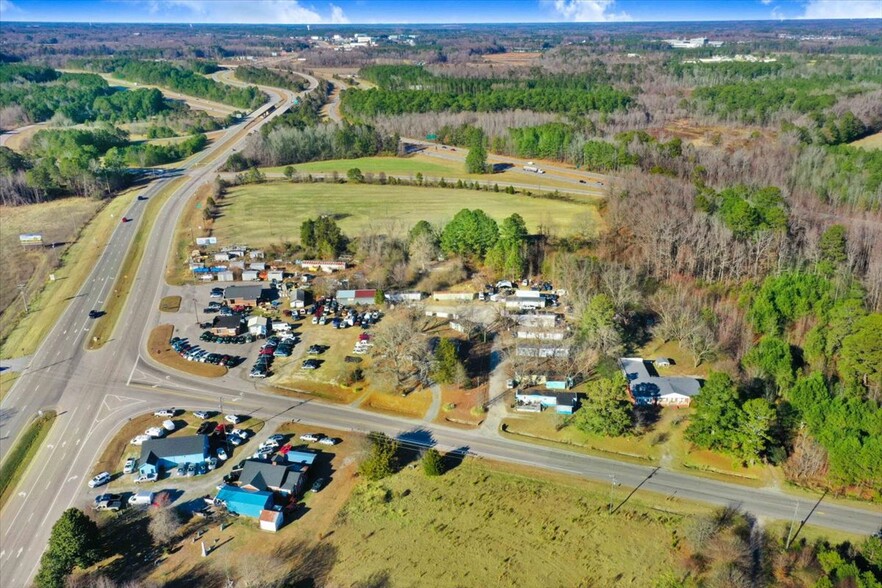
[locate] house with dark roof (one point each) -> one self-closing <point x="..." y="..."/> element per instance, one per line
<point x="259" y="475"/>
<point x="158" y="455"/>
<point x="244" y="295"/>
<point x="227" y="326"/>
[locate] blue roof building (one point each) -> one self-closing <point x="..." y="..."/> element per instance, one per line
<point x="301" y="457"/>
<point x="244" y="502"/>
<point x="158" y="455"/>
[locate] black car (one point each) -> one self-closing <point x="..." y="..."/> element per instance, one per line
<point x="94" y="314"/>
<point x="107" y="497"/>
<point x="317" y="485"/>
<point x="205" y="428"/>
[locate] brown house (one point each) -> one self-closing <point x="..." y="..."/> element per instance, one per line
<point x="227" y="326"/>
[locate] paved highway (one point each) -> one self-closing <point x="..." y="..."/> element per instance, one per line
<point x="95" y="392"/>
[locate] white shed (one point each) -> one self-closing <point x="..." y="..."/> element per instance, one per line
<point x="249" y="276"/>
<point x="271" y="520"/>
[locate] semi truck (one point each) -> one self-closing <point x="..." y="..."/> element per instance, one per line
<point x="531" y="167"/>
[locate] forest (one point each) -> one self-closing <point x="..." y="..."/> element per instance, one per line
<point x="177" y="79"/>
<point x="269" y="77"/>
<point x="36" y="94"/>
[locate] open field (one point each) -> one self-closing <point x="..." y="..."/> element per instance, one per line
<point x="19" y="457"/>
<point x="59" y="221"/>
<point x="513" y="59"/>
<point x="116" y="300"/>
<point x="436" y="168"/>
<point x="871" y="142"/>
<point x="702" y="135"/>
<point x="261" y="214"/>
<point x="489" y="525"/>
<point x="160" y="350"/>
<point x="413" y="405"/>
<point x="77" y="261"/>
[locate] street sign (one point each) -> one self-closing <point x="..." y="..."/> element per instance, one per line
<point x="431" y="137"/>
<point x="31" y="239"/>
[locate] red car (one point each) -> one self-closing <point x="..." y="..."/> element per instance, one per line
<point x="125" y="220"/>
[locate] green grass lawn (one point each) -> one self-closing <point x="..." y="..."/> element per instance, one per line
<point x="497" y="526"/>
<point x="389" y="165"/>
<point x="19" y="457"/>
<point x="260" y="214"/>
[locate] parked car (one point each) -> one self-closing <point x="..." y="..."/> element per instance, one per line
<point x="99" y="480"/>
<point x="329" y="440"/>
<point x="106" y="498"/>
<point x="191" y="470"/>
<point x="139" y="440"/>
<point x="155" y="432"/>
<point x="509" y="384"/>
<point x="152" y="477"/>
<point x="212" y="463"/>
<point x="317" y="485"/>
<point x="233" y="418"/>
<point x="277" y="438"/>
<point x="243" y="433"/>
<point x="310" y="364"/>
<point x="311" y="437"/>
<point x="235" y="440"/>
<point x="130" y="465"/>
<point x="205" y="428"/>
<point x="144" y="497"/>
<point x="113" y="505"/>
<point x="166" y="412"/>
<point x="169" y="425"/>
<point x="201" y="414"/>
<point x="182" y="469"/>
<point x="222" y="454"/>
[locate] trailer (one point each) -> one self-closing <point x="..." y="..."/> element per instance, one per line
<point x="531" y="167"/>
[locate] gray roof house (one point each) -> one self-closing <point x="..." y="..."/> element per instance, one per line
<point x="259" y="475"/>
<point x="163" y="454"/>
<point x="647" y="387"/>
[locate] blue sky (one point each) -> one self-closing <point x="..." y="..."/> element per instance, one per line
<point x="428" y="11"/>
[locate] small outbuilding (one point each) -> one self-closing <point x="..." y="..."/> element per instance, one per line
<point x="244" y="502"/>
<point x="271" y="520"/>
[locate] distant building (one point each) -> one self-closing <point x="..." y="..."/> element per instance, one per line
<point x="244" y="295"/>
<point x="535" y="401"/>
<point x="227" y="326"/>
<point x="355" y="297"/>
<point x="647" y="387"/>
<point x="325" y="266"/>
<point x="444" y="296"/>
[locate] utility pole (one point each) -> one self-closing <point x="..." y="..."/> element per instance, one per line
<point x="792" y="524"/>
<point x="196" y="310"/>
<point x="221" y="401"/>
<point x="24" y="298"/>
<point x="612" y="485"/>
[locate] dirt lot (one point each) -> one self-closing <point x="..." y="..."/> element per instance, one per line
<point x="704" y="135"/>
<point x="161" y="350"/>
<point x="524" y="59"/>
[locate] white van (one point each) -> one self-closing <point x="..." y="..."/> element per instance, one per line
<point x="168" y="425"/>
<point x="144" y="497"/>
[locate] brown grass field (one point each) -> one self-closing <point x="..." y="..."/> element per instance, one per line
<point x="170" y="304"/>
<point x="871" y="142"/>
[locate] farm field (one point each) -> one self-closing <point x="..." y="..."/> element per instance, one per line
<point x="261" y="214"/>
<point x="497" y="525"/>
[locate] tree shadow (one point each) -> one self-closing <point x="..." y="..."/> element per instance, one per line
<point x="454" y="458"/>
<point x="412" y="444"/>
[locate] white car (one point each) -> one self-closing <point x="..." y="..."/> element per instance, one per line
<point x="130" y="466"/>
<point x="155" y="432"/>
<point x="200" y="414"/>
<point x="311" y="437"/>
<point x="235" y="440"/>
<point x="276" y="438"/>
<point x="165" y="412"/>
<point x="233" y="418"/>
<point x="329" y="441"/>
<point x="99" y="480"/>
<point x="222" y="454"/>
<point x="146" y="478"/>
<point x="139" y="440"/>
<point x="239" y="433"/>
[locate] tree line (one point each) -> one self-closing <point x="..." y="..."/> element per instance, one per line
<point x="177" y="79"/>
<point x="268" y="77"/>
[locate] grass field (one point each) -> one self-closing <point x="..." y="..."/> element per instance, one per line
<point x="160" y="350"/>
<point x="116" y="300"/>
<point x="59" y="221"/>
<point x="76" y="264"/>
<point x="260" y="214"/>
<point x="21" y="454"/>
<point x="7" y="380"/>
<point x="170" y="304"/>
<point x="871" y="142"/>
<point x="482" y="525"/>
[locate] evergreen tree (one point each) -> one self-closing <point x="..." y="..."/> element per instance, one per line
<point x="607" y="410"/>
<point x="380" y="462"/>
<point x="715" y="414"/>
<point x="432" y="463"/>
<point x="476" y="160"/>
<point x="73" y="543"/>
<point x="755" y="424"/>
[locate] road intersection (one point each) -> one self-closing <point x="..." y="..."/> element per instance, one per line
<point x="95" y="392"/>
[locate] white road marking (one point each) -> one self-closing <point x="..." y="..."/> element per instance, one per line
<point x="72" y="478"/>
<point x="20" y="549"/>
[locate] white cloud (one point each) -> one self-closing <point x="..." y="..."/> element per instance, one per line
<point x="821" y="9"/>
<point x="766" y="2"/>
<point x="253" y="12"/>
<point x="777" y="14"/>
<point x="10" y="10"/>
<point x="589" y="10"/>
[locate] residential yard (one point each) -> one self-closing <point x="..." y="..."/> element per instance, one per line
<point x="160" y="349"/>
<point x="492" y="525"/>
<point x="47" y="299"/>
<point x="682" y="364"/>
<point x="261" y="214"/>
<point x="462" y="407"/>
<point x="413" y="405"/>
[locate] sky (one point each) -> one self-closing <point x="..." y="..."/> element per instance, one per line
<point x="428" y="11"/>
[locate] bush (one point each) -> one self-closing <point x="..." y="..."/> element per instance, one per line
<point x="432" y="463"/>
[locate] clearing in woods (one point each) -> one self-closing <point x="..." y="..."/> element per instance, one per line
<point x="871" y="142"/>
<point x="261" y="214"/>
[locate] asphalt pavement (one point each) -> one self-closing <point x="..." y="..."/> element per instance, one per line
<point x="96" y="392"/>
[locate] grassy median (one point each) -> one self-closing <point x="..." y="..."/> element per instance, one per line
<point x="116" y="301"/>
<point x="21" y="454"/>
<point x="161" y="350"/>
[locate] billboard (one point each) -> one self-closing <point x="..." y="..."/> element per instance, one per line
<point x="30" y="239"/>
<point x="206" y="240"/>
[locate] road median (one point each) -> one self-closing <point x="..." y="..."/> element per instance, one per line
<point x="21" y="454"/>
